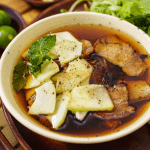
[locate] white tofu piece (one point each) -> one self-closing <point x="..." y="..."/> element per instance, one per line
<point x="58" y="118"/>
<point x="90" y="98"/>
<point x="68" y="51"/>
<point x="45" y="99"/>
<point x="77" y="71"/>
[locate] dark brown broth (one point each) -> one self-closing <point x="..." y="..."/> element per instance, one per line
<point x="92" y="126"/>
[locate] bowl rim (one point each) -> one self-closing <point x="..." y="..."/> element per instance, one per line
<point x="57" y="136"/>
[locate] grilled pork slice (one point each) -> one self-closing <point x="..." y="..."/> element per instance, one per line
<point x="121" y="54"/>
<point x="32" y="99"/>
<point x="104" y="72"/>
<point x="87" y="48"/>
<point x="138" y="91"/>
<point x="119" y="96"/>
<point x="99" y="68"/>
<point x="111" y="123"/>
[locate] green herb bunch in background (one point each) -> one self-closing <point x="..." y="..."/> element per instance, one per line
<point x="136" y="12"/>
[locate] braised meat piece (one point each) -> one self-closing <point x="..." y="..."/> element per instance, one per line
<point x="104" y="72"/>
<point x="119" y="96"/>
<point x="121" y="54"/>
<point x="44" y="121"/>
<point x="111" y="123"/>
<point x="99" y="69"/>
<point x="87" y="48"/>
<point x="32" y="99"/>
<point x="138" y="91"/>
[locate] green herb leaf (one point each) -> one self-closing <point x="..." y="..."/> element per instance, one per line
<point x="39" y="49"/>
<point x="130" y="9"/>
<point x="106" y="7"/>
<point x="136" y="12"/>
<point x="34" y="69"/>
<point x="38" y="52"/>
<point x="19" y="80"/>
<point x="148" y="31"/>
<point x="145" y="5"/>
<point x="77" y="2"/>
<point x="63" y="10"/>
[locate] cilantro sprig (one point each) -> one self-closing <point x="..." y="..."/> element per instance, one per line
<point x="37" y="53"/>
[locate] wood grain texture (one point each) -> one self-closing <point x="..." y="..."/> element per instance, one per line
<point x="30" y="15"/>
<point x="18" y="5"/>
<point x="56" y="9"/>
<point x="15" y="130"/>
<point x="4" y="143"/>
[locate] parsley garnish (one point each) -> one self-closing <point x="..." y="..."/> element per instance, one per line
<point x="38" y="53"/>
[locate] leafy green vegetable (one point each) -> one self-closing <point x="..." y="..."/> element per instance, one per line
<point x="148" y="31"/>
<point x="136" y="12"/>
<point x="130" y="9"/>
<point x="106" y="7"/>
<point x="75" y="4"/>
<point x="63" y="10"/>
<point x="145" y="5"/>
<point x="19" y="80"/>
<point x="38" y="51"/>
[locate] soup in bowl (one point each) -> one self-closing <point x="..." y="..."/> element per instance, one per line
<point x="78" y="77"/>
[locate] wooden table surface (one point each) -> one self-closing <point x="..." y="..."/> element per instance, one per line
<point x="28" y="12"/>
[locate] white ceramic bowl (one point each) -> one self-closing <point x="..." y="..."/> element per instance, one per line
<point x="10" y="56"/>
